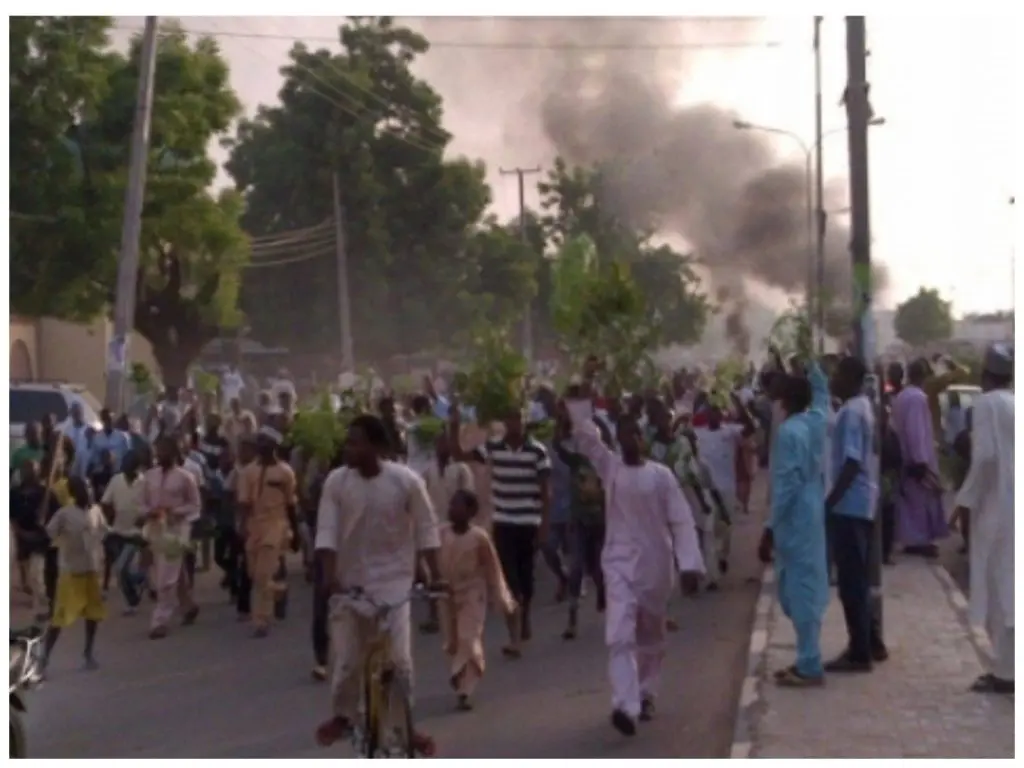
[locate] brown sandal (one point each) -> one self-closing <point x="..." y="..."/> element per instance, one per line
<point x="791" y="678"/>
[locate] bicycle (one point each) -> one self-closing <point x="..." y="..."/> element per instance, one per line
<point x="26" y="673"/>
<point x="386" y="730"/>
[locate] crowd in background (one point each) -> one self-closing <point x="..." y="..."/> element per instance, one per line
<point x="140" y="508"/>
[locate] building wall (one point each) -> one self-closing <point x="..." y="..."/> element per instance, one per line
<point x="47" y="348"/>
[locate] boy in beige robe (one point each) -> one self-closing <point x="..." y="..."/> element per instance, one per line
<point x="469" y="565"/>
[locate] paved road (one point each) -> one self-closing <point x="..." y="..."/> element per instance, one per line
<point x="210" y="691"/>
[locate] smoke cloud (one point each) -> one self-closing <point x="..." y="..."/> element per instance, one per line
<point x="687" y="172"/>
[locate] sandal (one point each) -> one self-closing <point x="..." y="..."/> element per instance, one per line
<point x="331" y="731"/>
<point x="791" y="678"/>
<point x="511" y="652"/>
<point x="780" y="673"/>
<point x="989" y="683"/>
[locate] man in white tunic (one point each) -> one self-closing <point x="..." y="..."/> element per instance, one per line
<point x="375" y="519"/>
<point x="987" y="497"/>
<point x="650" y="533"/>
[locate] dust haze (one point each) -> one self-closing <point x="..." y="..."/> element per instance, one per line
<point x="686" y="172"/>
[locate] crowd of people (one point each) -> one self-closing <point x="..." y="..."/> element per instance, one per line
<point x="637" y="494"/>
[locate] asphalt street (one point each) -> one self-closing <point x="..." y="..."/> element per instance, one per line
<point x="211" y="691"/>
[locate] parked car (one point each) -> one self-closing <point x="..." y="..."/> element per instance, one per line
<point x="32" y="400"/>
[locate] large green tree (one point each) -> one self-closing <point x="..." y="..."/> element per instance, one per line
<point x="192" y="247"/>
<point x="411" y="217"/>
<point x="64" y="219"/>
<point x="924" y="318"/>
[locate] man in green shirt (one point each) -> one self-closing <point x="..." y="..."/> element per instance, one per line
<point x="32" y="450"/>
<point x="586" y="521"/>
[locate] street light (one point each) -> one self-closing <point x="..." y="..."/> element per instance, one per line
<point x="814" y="255"/>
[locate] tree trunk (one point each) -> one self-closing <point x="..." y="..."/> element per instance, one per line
<point x="174" y="362"/>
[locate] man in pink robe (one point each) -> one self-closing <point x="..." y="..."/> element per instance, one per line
<point x="650" y="534"/>
<point x="172" y="504"/>
<point x="920" y="518"/>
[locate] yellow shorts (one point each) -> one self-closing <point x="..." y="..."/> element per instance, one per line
<point x="78" y="596"/>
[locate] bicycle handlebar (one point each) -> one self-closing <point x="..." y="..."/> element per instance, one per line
<point x="358" y="594"/>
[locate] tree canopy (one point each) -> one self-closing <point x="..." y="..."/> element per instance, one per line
<point x="426" y="260"/>
<point x="412" y="218"/>
<point x="75" y="139"/>
<point x="924" y="318"/>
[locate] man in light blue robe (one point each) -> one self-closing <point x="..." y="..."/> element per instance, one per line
<point x="796" y="528"/>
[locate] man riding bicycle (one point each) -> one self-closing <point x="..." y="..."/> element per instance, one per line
<point x="374" y="522"/>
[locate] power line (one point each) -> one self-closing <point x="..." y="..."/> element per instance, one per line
<point x="322" y="251"/>
<point x="347" y="107"/>
<point x="288" y="236"/>
<point x="267" y="256"/>
<point x="484" y="45"/>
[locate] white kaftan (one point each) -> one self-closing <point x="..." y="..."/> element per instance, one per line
<point x="375" y="526"/>
<point x="987" y="492"/>
<point x="650" y="533"/>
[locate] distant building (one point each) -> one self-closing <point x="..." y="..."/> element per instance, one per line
<point x="981" y="330"/>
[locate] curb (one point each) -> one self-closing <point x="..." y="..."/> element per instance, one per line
<point x="750" y="692"/>
<point x="757" y="651"/>
<point x="958" y="601"/>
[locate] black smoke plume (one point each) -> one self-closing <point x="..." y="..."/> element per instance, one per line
<point x="602" y="91"/>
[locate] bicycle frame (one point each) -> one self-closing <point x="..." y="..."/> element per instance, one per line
<point x="378" y="670"/>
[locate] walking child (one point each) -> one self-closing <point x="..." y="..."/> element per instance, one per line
<point x="78" y="530"/>
<point x="469" y="564"/>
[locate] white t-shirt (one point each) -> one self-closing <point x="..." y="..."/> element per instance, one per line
<point x="231" y="384"/>
<point x="127" y="500"/>
<point x="717" y="449"/>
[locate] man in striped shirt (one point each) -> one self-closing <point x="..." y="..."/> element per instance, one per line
<point x="521" y="501"/>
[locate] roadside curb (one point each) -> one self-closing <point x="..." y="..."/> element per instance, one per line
<point x="757" y="651"/>
<point x="958" y="601"/>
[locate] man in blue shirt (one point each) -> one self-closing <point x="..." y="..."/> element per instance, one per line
<point x="108" y="439"/>
<point x="850" y="507"/>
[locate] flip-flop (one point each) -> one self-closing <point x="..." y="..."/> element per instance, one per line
<point x="510" y="653"/>
<point x="780" y="673"/>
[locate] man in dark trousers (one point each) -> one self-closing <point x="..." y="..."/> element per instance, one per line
<point x="850" y="506"/>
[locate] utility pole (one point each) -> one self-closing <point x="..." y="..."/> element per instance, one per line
<point x="858" y="112"/>
<point x="348" y="359"/>
<point x="521" y="174"/>
<point x="131" y="228"/>
<point x="819" y="190"/>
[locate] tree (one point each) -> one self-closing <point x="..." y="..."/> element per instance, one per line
<point x="923" y="318"/>
<point x="573" y="207"/>
<point x="411" y="217"/>
<point x="64" y="219"/>
<point x="192" y="247"/>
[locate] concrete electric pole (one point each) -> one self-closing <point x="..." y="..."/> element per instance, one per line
<point x="348" y="359"/>
<point x="819" y="192"/>
<point x="521" y="174"/>
<point x="859" y="115"/>
<point x="131" y="230"/>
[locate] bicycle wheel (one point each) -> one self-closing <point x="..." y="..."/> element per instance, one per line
<point x="393" y="736"/>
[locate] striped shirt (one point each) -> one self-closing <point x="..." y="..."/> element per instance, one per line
<point x="516" y="479"/>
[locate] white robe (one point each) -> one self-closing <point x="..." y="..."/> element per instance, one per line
<point x="649" y="534"/>
<point x="375" y="526"/>
<point x="988" y="493"/>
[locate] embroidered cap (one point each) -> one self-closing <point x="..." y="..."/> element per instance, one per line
<point x="999" y="359"/>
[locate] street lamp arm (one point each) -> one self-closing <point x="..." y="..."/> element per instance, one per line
<point x="743" y="125"/>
